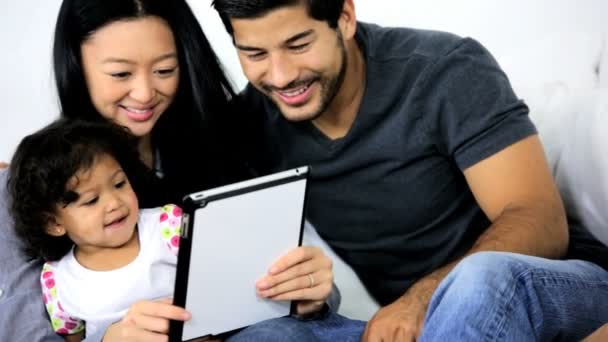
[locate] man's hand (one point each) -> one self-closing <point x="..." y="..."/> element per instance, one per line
<point x="305" y="274"/>
<point x="399" y="321"/>
<point x="146" y="321"/>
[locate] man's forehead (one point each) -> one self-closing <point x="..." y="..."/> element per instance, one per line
<point x="277" y="26"/>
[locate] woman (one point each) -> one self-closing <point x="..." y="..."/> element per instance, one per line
<point x="146" y="65"/>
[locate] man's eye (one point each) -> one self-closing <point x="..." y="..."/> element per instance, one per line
<point x="256" y="56"/>
<point x="299" y="48"/>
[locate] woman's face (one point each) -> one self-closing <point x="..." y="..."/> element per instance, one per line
<point x="132" y="72"/>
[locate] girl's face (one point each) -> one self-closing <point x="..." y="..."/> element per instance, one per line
<point x="106" y="212"/>
<point x="132" y="72"/>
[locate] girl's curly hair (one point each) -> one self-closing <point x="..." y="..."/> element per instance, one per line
<point x="43" y="164"/>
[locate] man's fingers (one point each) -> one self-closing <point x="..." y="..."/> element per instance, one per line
<point x="294" y="257"/>
<point x="300" y="287"/>
<point x="301" y="270"/>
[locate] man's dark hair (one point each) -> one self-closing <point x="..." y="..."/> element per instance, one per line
<point x="44" y="163"/>
<point x="322" y="10"/>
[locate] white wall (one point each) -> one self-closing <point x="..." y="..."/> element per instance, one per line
<point x="26" y="29"/>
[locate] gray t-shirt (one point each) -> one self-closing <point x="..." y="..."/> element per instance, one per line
<point x="22" y="313"/>
<point x="390" y="197"/>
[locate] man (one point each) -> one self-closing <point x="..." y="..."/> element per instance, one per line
<point x="23" y="315"/>
<point x="421" y="155"/>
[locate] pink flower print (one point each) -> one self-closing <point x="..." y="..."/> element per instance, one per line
<point x="47" y="274"/>
<point x="49" y="283"/>
<point x="62" y="331"/>
<point x="173" y="222"/>
<point x="163" y="217"/>
<point x="45" y="299"/>
<point x="59" y="305"/>
<point x="70" y="325"/>
<point x="175" y="241"/>
<point x="177" y="211"/>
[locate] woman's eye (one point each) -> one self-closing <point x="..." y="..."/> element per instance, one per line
<point x="120" y="75"/>
<point x="166" y="72"/>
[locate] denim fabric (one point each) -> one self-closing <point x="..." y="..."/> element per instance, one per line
<point x="331" y="328"/>
<point x="493" y="296"/>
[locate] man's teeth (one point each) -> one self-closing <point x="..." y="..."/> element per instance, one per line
<point x="294" y="92"/>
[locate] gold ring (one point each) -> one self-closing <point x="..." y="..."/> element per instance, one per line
<point x="311" y="279"/>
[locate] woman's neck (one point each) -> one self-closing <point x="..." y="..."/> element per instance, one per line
<point x="145" y="151"/>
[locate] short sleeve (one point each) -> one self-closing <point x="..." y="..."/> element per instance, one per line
<point x="62" y="322"/>
<point x="470" y="108"/>
<point x="171" y="225"/>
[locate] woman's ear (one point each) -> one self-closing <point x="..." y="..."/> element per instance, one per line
<point x="54" y="228"/>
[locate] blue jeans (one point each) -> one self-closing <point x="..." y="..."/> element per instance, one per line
<point x="493" y="296"/>
<point x="331" y="328"/>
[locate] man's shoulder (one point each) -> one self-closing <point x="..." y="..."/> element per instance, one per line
<point x="384" y="42"/>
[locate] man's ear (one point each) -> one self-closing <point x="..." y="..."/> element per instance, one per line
<point x="347" y="23"/>
<point x="54" y="228"/>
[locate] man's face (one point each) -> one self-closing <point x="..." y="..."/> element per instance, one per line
<point x="298" y="62"/>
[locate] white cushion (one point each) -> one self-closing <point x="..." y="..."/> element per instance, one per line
<point x="603" y="67"/>
<point x="356" y="301"/>
<point x="582" y="166"/>
<point x="568" y="57"/>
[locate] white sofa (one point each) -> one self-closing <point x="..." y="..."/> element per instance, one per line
<point x="556" y="56"/>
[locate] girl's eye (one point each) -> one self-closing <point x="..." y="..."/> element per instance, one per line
<point x="120" y="184"/>
<point x="91" y="201"/>
<point x="120" y="75"/>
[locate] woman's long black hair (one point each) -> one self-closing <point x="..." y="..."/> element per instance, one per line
<point x="197" y="137"/>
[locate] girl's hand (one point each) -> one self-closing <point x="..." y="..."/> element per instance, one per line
<point x="146" y="321"/>
<point x="3" y="165"/>
<point x="305" y="274"/>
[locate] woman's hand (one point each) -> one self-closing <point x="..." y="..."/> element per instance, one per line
<point x="305" y="274"/>
<point x="146" y="321"/>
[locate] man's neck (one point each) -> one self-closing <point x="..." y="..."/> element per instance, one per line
<point x="338" y="118"/>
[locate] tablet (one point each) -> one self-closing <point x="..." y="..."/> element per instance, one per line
<point x="230" y="236"/>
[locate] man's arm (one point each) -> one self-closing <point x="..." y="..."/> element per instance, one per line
<point x="515" y="189"/>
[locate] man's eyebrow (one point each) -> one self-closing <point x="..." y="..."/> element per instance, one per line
<point x="289" y="41"/>
<point x="299" y="36"/>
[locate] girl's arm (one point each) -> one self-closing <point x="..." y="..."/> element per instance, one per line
<point x="77" y="337"/>
<point x="146" y="321"/>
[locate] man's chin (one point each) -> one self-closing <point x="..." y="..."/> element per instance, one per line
<point x="298" y="114"/>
